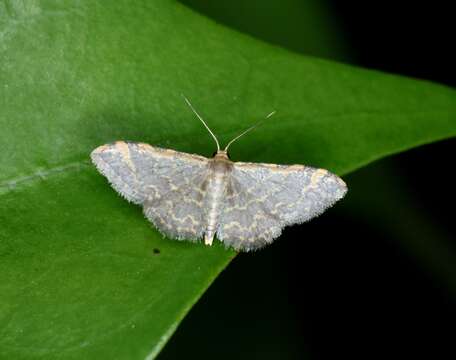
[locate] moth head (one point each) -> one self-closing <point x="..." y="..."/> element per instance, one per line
<point x="221" y="154"/>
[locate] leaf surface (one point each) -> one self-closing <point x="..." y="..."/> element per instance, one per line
<point x="82" y="273"/>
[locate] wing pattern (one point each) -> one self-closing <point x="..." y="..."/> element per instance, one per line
<point x="169" y="184"/>
<point x="264" y="198"/>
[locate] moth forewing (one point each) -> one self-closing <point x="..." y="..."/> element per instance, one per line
<point x="268" y="197"/>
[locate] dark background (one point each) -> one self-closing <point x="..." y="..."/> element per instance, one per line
<point x="375" y="276"/>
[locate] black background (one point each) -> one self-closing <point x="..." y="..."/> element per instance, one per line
<point x="373" y="277"/>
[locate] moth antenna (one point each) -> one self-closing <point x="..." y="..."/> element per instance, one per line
<point x="204" y="123"/>
<point x="247" y="130"/>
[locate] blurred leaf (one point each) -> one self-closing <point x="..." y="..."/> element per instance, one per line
<point x="306" y="26"/>
<point x="79" y="276"/>
<point x="411" y="226"/>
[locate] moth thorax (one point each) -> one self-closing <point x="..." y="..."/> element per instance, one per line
<point x="221" y="164"/>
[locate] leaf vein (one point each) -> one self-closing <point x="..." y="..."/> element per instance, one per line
<point x="9" y="185"/>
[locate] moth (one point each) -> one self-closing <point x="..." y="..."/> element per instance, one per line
<point x="191" y="197"/>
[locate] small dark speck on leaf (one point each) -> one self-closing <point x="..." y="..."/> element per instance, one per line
<point x="156" y="251"/>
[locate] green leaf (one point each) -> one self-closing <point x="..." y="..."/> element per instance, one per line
<point x="308" y="27"/>
<point x="79" y="277"/>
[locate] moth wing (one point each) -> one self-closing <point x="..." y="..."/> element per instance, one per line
<point x="180" y="213"/>
<point x="264" y="198"/>
<point x="141" y="172"/>
<point x="167" y="183"/>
